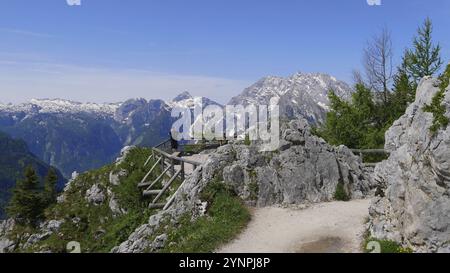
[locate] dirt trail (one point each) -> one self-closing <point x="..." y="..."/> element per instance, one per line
<point x="335" y="227"/>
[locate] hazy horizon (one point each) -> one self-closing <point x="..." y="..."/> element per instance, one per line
<point x="165" y="97"/>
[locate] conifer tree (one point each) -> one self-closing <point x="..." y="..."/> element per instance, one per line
<point x="26" y="202"/>
<point x="404" y="92"/>
<point x="350" y="123"/>
<point x="50" y="192"/>
<point x="424" y="59"/>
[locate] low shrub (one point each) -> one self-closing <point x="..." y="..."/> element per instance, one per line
<point x="340" y="194"/>
<point x="226" y="217"/>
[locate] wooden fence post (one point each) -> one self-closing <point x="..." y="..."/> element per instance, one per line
<point x="182" y="171"/>
<point x="163" y="162"/>
<point x="172" y="166"/>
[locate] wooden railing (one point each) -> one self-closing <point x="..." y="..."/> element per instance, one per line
<point x="166" y="163"/>
<point x="166" y="145"/>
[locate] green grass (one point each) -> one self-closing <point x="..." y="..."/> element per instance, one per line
<point x="226" y="217"/>
<point x="387" y="246"/>
<point x="340" y="194"/>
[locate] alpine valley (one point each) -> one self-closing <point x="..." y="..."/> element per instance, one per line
<point x="14" y="157"/>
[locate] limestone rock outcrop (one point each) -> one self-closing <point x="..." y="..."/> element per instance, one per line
<point x="413" y="206"/>
<point x="6" y="244"/>
<point x="304" y="169"/>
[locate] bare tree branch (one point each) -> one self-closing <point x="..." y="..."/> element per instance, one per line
<point x="378" y="63"/>
<point x="358" y="78"/>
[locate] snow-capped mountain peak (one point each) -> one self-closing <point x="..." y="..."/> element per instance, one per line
<point x="186" y="100"/>
<point x="302" y="94"/>
<point x="183" y="96"/>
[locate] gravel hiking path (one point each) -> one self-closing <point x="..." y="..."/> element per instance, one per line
<point x="334" y="227"/>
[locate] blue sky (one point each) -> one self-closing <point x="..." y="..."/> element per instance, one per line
<point x="110" y="50"/>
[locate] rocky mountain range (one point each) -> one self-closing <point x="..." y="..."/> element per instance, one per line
<point x="81" y="136"/>
<point x="75" y="136"/>
<point x="302" y="95"/>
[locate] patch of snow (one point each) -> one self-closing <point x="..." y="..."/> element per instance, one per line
<point x="324" y="106"/>
<point x="60" y="106"/>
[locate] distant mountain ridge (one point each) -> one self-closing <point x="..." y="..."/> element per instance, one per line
<point x="301" y="95"/>
<point x="77" y="136"/>
<point x="60" y="106"/>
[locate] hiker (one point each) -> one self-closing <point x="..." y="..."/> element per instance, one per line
<point x="173" y="141"/>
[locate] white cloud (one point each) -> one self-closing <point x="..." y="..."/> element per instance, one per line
<point x="20" y="82"/>
<point x="25" y="33"/>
